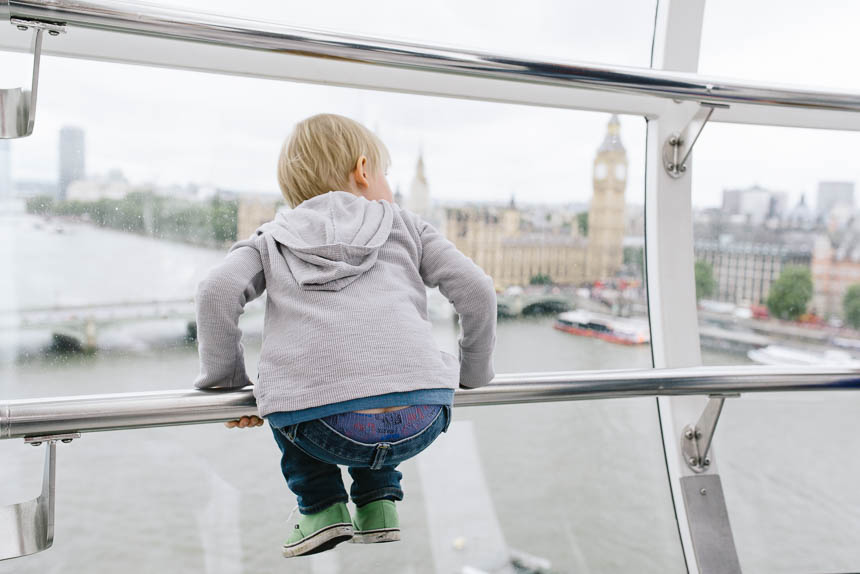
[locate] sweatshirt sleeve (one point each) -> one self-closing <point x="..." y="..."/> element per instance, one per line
<point x="473" y="295"/>
<point x="220" y="300"/>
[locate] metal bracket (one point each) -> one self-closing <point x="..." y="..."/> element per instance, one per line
<point x="696" y="439"/>
<point x="17" y="105"/>
<point x="682" y="143"/>
<point x="66" y="438"/>
<point x="28" y="527"/>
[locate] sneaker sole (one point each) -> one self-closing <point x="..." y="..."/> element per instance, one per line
<point x="320" y="541"/>
<point x="376" y="536"/>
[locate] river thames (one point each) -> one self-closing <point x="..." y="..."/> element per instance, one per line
<point x="576" y="486"/>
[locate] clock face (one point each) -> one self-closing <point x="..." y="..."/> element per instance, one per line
<point x="600" y="171"/>
<point x="620" y="171"/>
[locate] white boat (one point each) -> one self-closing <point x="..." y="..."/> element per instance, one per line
<point x="606" y="327"/>
<point x="779" y="355"/>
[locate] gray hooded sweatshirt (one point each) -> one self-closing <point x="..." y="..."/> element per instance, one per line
<point x="346" y="310"/>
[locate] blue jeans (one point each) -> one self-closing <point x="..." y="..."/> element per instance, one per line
<point x="312" y="450"/>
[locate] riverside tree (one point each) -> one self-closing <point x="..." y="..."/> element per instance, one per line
<point x="540" y="279"/>
<point x="705" y="283"/>
<point x="790" y="293"/>
<point x="851" y="305"/>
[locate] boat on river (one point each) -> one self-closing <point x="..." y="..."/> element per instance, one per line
<point x="606" y="327"/>
<point x="780" y="355"/>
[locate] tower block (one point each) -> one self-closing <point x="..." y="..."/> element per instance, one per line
<point x="606" y="213"/>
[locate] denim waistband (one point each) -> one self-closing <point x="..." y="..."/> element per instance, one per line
<point x="378" y="427"/>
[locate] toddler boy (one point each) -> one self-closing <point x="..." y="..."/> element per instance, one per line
<point x="349" y="372"/>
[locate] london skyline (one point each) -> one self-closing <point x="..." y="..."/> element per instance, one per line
<point x="176" y="126"/>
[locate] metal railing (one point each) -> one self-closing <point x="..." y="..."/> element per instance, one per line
<point x="177" y="24"/>
<point x="109" y="412"/>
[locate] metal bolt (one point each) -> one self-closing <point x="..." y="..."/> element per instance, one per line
<point x="35" y="443"/>
<point x="22" y="27"/>
<point x="698" y="432"/>
<point x="692" y="461"/>
<point x="683" y="168"/>
<point x="67" y="440"/>
<point x="703" y="492"/>
<point x="688" y="434"/>
<point x="53" y="32"/>
<point x="671" y="167"/>
<point x="706" y="462"/>
<point x="673" y="140"/>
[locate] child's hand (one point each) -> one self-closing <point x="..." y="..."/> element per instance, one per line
<point x="252" y="421"/>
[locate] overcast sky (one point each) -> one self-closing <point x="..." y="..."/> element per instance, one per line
<point x="169" y="126"/>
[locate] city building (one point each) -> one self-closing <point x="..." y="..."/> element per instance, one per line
<point x="419" y="191"/>
<point x="72" y="158"/>
<point x="744" y="270"/>
<point x="606" y="213"/>
<point x="512" y="253"/>
<point x="754" y="205"/>
<point x="514" y="245"/>
<point x="5" y="169"/>
<point x="834" y="193"/>
<point x="254" y="210"/>
<point x="114" y="186"/>
<point x="800" y="216"/>
<point x="835" y="267"/>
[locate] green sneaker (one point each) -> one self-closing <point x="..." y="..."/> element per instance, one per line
<point x="376" y="522"/>
<point x="320" y="531"/>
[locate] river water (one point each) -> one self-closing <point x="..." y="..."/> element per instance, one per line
<point x="579" y="486"/>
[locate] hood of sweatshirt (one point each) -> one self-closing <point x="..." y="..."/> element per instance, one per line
<point x="331" y="239"/>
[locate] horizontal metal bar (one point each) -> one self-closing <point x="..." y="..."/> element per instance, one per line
<point x="46" y="416"/>
<point x="176" y="24"/>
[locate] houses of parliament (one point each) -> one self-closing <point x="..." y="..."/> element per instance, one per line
<point x="510" y="247"/>
<point x="513" y="250"/>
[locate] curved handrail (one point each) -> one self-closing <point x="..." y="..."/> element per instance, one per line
<point x="177" y="24"/>
<point x="92" y="413"/>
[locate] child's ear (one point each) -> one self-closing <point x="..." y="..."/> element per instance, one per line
<point x="360" y="172"/>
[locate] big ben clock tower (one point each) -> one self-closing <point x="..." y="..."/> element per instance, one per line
<point x="606" y="213"/>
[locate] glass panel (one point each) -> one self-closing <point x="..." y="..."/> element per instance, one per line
<point x="499" y="487"/>
<point x="134" y="185"/>
<point x="775" y="230"/>
<point x="106" y="234"/>
<point x="615" y="31"/>
<point x="781" y="41"/>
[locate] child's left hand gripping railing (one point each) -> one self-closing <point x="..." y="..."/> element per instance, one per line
<point x="28" y="527"/>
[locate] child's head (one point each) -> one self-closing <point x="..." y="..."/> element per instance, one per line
<point x="328" y="152"/>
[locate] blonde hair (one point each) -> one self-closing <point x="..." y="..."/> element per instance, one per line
<point x="321" y="152"/>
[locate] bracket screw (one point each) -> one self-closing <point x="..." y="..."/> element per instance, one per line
<point x="706" y="462"/>
<point x="692" y="461"/>
<point x="673" y="140"/>
<point x="35" y="443"/>
<point x="703" y="492"/>
<point x="683" y="168"/>
<point x="698" y="432"/>
<point x="22" y="27"/>
<point x="53" y="33"/>
<point x="688" y="434"/>
<point x="67" y="440"/>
